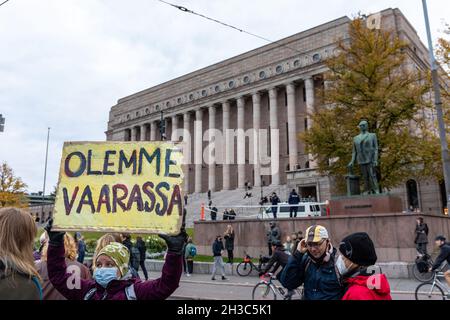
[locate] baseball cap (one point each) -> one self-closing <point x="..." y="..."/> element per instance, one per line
<point x="316" y="233"/>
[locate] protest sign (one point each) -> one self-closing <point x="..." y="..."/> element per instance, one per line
<point x="120" y="187"/>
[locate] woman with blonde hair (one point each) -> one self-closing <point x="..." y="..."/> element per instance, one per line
<point x="70" y="246"/>
<point x="19" y="279"/>
<point x="229" y="242"/>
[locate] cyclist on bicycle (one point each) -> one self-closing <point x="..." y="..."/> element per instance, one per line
<point x="278" y="259"/>
<point x="443" y="255"/>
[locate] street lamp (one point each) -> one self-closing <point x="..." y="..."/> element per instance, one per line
<point x="438" y="106"/>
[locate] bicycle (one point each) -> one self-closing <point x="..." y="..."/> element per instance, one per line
<point x="428" y="262"/>
<point x="433" y="290"/>
<point x="266" y="289"/>
<point x="245" y="267"/>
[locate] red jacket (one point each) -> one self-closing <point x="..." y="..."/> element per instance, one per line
<point x="362" y="288"/>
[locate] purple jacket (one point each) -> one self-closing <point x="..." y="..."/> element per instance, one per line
<point x="158" y="289"/>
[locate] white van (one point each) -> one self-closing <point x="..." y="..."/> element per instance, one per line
<point x="305" y="209"/>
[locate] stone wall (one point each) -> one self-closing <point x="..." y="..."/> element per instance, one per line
<point x="393" y="234"/>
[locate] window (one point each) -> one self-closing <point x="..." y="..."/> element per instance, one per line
<point x="157" y="107"/>
<point x="137" y="113"/>
<point x="203" y="93"/>
<point x="217" y="89"/>
<point x="301" y="209"/>
<point x="285" y="98"/>
<point x="304" y="94"/>
<point x="279" y="69"/>
<point x="191" y="96"/>
<point x="413" y="196"/>
<point x="146" y="111"/>
<point x="306" y="124"/>
<point x="231" y="84"/>
<point x="297" y="63"/>
<point x="316" y="57"/>
<point x="262" y="75"/>
<point x="246" y="79"/>
<point x="179" y="100"/>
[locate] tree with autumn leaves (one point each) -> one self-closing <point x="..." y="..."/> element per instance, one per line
<point x="12" y="188"/>
<point x="369" y="78"/>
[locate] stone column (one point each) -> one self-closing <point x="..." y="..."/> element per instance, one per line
<point x="226" y="145"/>
<point x="198" y="149"/>
<point x="153" y="131"/>
<point x="274" y="137"/>
<point x="292" y="126"/>
<point x="186" y="149"/>
<point x="174" y="135"/>
<point x="309" y="90"/>
<point x="256" y="99"/>
<point x="212" y="146"/>
<point x="241" y="142"/>
<point x="133" y="133"/>
<point x="143" y="129"/>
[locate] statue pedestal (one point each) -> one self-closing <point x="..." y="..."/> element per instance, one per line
<point x="365" y="204"/>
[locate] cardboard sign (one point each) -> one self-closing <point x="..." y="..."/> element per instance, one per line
<point x="120" y="187"/>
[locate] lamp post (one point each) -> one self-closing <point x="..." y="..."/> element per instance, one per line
<point x="438" y="106"/>
<point x="45" y="173"/>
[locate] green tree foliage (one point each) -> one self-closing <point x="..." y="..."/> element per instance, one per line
<point x="371" y="78"/>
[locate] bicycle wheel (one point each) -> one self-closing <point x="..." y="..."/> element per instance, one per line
<point x="422" y="277"/>
<point x="263" y="291"/>
<point x="429" y="291"/>
<point x="244" y="269"/>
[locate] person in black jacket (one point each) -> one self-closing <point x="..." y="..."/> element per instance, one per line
<point x="294" y="200"/>
<point x="278" y="259"/>
<point x="314" y="266"/>
<point x="421" y="239"/>
<point x="274" y="200"/>
<point x="444" y="255"/>
<point x="217" y="249"/>
<point x="140" y="245"/>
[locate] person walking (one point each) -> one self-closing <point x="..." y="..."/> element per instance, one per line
<point x="229" y="242"/>
<point x="112" y="280"/>
<point x="314" y="266"/>
<point x="140" y="245"/>
<point x="190" y="251"/>
<point x="19" y="279"/>
<point x="217" y="249"/>
<point x="81" y="245"/>
<point x="274" y="200"/>
<point x="357" y="255"/>
<point x="273" y="235"/>
<point x="294" y="200"/>
<point x="70" y="254"/>
<point x="421" y="239"/>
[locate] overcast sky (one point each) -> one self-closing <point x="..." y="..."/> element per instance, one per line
<point x="64" y="63"/>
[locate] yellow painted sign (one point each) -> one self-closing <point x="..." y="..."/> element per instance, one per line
<point x="120" y="187"/>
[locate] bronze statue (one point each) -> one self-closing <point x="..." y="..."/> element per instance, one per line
<point x="365" y="152"/>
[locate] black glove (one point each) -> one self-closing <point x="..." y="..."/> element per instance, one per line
<point x="56" y="238"/>
<point x="175" y="244"/>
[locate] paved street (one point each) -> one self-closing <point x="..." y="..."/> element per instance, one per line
<point x="200" y="286"/>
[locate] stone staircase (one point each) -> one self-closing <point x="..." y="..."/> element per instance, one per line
<point x="230" y="199"/>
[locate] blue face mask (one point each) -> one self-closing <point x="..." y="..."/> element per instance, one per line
<point x="103" y="276"/>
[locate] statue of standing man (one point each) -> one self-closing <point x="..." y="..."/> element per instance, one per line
<point x="365" y="152"/>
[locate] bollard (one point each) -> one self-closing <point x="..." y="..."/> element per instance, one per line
<point x="202" y="212"/>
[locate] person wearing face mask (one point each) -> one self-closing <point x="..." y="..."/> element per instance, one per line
<point x="112" y="279"/>
<point x="313" y="265"/>
<point x="357" y="254"/>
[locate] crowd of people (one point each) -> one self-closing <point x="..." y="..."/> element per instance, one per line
<point x="53" y="270"/>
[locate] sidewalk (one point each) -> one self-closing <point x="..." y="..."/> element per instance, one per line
<point x="200" y="286"/>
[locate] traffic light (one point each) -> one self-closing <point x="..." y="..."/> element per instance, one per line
<point x="2" y="123"/>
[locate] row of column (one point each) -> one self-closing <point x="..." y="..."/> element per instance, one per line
<point x="256" y="119"/>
